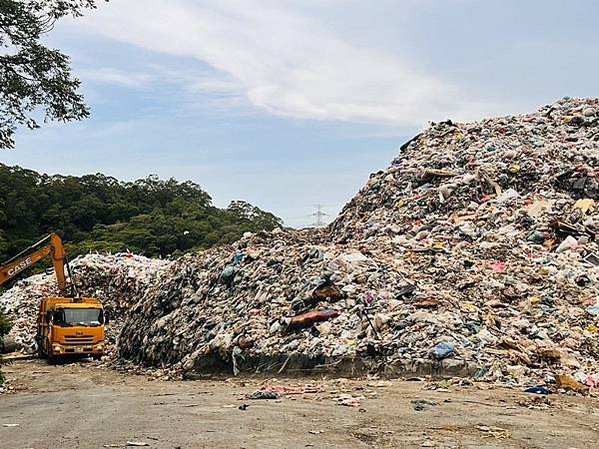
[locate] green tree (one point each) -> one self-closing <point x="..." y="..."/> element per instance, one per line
<point x="149" y="216"/>
<point x="34" y="77"/>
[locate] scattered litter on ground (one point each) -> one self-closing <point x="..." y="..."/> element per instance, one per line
<point x="261" y="394"/>
<point x="423" y="404"/>
<point x="536" y="403"/>
<point x="348" y="400"/>
<point x="493" y="431"/>
<point x="130" y="444"/>
<point x="537" y="390"/>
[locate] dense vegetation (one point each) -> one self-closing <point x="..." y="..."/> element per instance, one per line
<point x="99" y="213"/>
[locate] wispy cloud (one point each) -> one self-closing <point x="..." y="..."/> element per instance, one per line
<point x="282" y="61"/>
<point x="118" y="77"/>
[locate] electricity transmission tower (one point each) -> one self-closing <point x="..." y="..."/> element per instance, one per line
<point x="319" y="216"/>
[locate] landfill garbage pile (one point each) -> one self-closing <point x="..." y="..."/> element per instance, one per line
<point x="496" y="222"/>
<point x="118" y="280"/>
<point x="278" y="299"/>
<point x="475" y="252"/>
<point x="457" y="178"/>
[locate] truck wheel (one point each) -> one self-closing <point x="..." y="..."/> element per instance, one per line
<point x="51" y="358"/>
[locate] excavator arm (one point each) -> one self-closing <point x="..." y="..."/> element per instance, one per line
<point x="48" y="246"/>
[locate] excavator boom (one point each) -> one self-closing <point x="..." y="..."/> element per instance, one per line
<point x="48" y="246"/>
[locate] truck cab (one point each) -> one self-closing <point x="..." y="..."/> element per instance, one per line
<point x="71" y="327"/>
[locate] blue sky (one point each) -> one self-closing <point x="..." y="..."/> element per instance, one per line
<point x="291" y="103"/>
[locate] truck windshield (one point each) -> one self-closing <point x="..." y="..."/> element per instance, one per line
<point x="79" y="317"/>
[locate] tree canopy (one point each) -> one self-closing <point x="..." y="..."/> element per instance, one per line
<point x="35" y="80"/>
<point x="149" y="216"/>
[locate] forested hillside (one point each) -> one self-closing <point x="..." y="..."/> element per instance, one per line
<point x="149" y="216"/>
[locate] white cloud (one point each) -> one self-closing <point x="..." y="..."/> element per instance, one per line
<point x="282" y="61"/>
<point x="115" y="76"/>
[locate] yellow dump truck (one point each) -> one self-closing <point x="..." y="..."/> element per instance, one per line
<point x="68" y="325"/>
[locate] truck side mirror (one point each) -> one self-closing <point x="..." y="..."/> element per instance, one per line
<point x="106" y="318"/>
<point x="49" y="317"/>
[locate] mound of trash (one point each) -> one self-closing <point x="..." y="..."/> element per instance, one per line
<point x="475" y="252"/>
<point x="472" y="174"/>
<point x="118" y="280"/>
<point x="283" y="300"/>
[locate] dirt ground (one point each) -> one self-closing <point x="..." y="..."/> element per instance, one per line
<point x="83" y="406"/>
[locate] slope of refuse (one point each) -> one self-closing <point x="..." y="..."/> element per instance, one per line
<point x="475" y="252"/>
<point x="240" y="307"/>
<point x="118" y="280"/>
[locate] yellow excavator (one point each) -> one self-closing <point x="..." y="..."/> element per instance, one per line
<point x="68" y="325"/>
